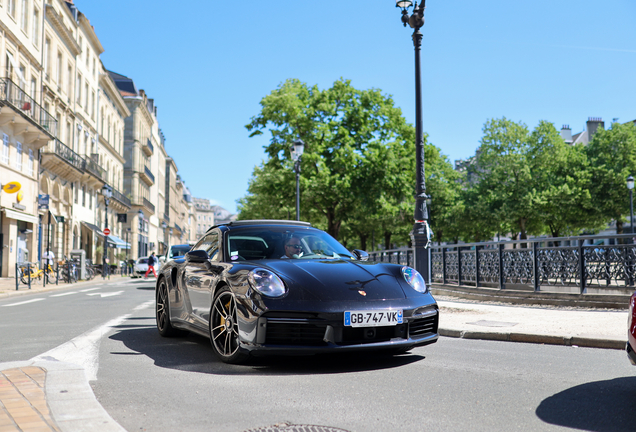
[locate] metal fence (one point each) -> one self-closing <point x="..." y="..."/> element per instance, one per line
<point x="572" y="264"/>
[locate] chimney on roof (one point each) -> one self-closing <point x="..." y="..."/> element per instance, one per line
<point x="592" y="125"/>
<point x="566" y="134"/>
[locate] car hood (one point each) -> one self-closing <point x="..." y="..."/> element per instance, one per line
<point x="337" y="280"/>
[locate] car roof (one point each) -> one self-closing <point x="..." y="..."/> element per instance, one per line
<point x="254" y="222"/>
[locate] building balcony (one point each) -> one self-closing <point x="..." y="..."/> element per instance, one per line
<point x="27" y="117"/>
<point x="166" y="217"/>
<point x="91" y="167"/>
<point x="147" y="176"/>
<point x="148" y="148"/>
<point x="145" y="203"/>
<point x="121" y="198"/>
<point x="62" y="161"/>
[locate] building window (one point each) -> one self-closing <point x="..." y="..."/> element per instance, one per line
<point x="30" y="166"/>
<point x="93" y="105"/>
<point x="34" y="88"/>
<point x="79" y="89"/>
<point x="69" y="80"/>
<point x="18" y="156"/>
<point x="58" y="70"/>
<point x="47" y="53"/>
<point x="90" y="200"/>
<point x="36" y="27"/>
<point x="86" y="96"/>
<point x="24" y="20"/>
<point x="5" y="148"/>
<point x="11" y="8"/>
<point x="76" y="193"/>
<point x="83" y="196"/>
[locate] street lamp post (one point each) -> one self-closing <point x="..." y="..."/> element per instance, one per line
<point x="164" y="225"/>
<point x="296" y="153"/>
<point x="630" y="186"/>
<point x="107" y="193"/>
<point x="127" y="250"/>
<point x="421" y="231"/>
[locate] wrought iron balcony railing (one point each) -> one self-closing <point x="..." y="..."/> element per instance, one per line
<point x="166" y="217"/>
<point x="149" y="205"/>
<point x="179" y="228"/>
<point x="67" y="154"/>
<point x="149" y="173"/>
<point x="121" y="197"/>
<point x="93" y="167"/>
<point x="12" y="94"/>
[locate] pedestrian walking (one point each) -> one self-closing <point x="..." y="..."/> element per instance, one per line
<point x="152" y="260"/>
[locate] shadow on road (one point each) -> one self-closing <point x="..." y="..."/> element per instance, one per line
<point x="600" y="406"/>
<point x="194" y="353"/>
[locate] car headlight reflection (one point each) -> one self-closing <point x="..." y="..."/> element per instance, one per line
<point x="266" y="283"/>
<point x="414" y="278"/>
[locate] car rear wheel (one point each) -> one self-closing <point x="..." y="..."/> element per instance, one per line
<point x="224" y="334"/>
<point x="162" y="310"/>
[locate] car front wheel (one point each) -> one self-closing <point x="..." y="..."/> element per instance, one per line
<point x="224" y="334"/>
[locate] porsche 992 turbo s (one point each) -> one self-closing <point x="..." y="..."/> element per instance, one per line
<point x="285" y="287"/>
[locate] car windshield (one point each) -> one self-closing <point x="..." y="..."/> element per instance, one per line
<point x="179" y="251"/>
<point x="283" y="243"/>
<point x="143" y="261"/>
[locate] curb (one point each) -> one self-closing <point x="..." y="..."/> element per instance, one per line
<point x="71" y="400"/>
<point x="53" y="287"/>
<point x="536" y="339"/>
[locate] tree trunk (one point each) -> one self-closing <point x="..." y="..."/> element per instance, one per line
<point x="333" y="225"/>
<point x="363" y="241"/>
<point x="387" y="240"/>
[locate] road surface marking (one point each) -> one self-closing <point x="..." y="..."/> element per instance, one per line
<point x="63" y="294"/>
<point x="84" y="349"/>
<point x="109" y="294"/>
<point x="24" y="302"/>
<point x="90" y="289"/>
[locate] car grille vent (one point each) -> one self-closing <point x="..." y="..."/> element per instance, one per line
<point x="364" y="335"/>
<point x="422" y="326"/>
<point x="295" y="334"/>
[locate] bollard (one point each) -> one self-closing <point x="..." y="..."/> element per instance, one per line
<point x="44" y="275"/>
<point x="57" y="273"/>
<point x="29" y="273"/>
<point x="17" y="276"/>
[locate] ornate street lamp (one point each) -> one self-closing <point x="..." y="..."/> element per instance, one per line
<point x="296" y="153"/>
<point x="127" y="250"/>
<point x="421" y="231"/>
<point x="630" y="186"/>
<point x="107" y="192"/>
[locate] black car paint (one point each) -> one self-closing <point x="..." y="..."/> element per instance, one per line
<point x="319" y="290"/>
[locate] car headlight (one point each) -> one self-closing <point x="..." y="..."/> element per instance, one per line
<point x="266" y="283"/>
<point x="414" y="278"/>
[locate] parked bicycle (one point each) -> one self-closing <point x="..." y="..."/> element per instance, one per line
<point x="30" y="270"/>
<point x="69" y="271"/>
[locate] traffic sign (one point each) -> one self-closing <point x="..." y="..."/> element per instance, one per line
<point x="106" y="231"/>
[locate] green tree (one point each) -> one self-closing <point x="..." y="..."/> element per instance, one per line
<point x="612" y="157"/>
<point x="346" y="132"/>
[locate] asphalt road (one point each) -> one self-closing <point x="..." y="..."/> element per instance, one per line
<point x="146" y="382"/>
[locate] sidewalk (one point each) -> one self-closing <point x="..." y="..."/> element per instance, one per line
<point x="7" y="285"/>
<point x="55" y="397"/>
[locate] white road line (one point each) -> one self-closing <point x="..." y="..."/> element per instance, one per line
<point x="84" y="349"/>
<point x="24" y="302"/>
<point x="91" y="289"/>
<point x="109" y="294"/>
<point x="63" y="294"/>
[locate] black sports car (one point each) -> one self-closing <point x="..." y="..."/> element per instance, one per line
<point x="270" y="286"/>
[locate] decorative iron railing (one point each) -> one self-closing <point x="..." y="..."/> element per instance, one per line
<point x="166" y="217"/>
<point x="66" y="153"/>
<point x="93" y="167"/>
<point x="149" y="173"/>
<point x="537" y="264"/>
<point x="150" y="146"/>
<point x="178" y="228"/>
<point x="121" y="197"/>
<point x="149" y="205"/>
<point x="12" y="94"/>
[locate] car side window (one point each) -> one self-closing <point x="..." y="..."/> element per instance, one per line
<point x="210" y="244"/>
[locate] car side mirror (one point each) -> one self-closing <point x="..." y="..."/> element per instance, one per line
<point x="197" y="256"/>
<point x="361" y="255"/>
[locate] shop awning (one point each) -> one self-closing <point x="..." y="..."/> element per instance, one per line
<point x="114" y="241"/>
<point x="24" y="217"/>
<point x="92" y="227"/>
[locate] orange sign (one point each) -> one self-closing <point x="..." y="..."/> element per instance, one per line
<point x="11" y="187"/>
<point x="19" y="196"/>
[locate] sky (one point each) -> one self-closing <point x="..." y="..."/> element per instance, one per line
<point x="208" y="63"/>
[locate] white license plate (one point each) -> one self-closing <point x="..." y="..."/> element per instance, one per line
<point x="374" y="318"/>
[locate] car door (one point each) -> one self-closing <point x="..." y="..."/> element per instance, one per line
<point x="200" y="279"/>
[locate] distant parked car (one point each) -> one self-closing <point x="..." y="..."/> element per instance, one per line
<point x="141" y="266"/>
<point x="631" y="330"/>
<point x="174" y="252"/>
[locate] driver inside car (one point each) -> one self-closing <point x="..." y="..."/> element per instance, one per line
<point x="293" y="248"/>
